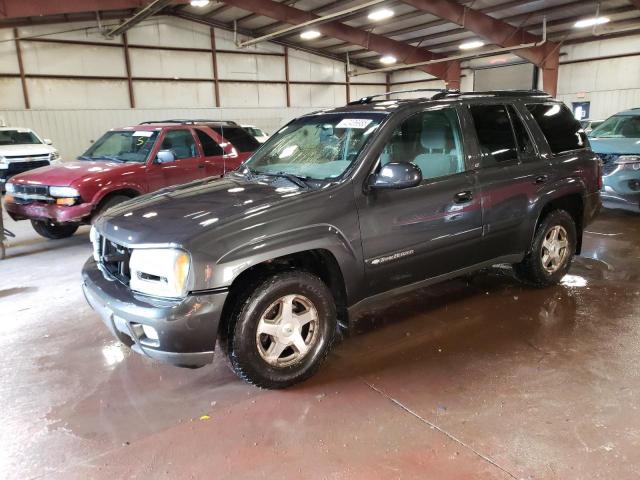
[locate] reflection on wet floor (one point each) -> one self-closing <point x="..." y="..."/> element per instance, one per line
<point x="543" y="383"/>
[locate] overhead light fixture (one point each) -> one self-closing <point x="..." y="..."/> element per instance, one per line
<point x="199" y="3"/>
<point x="471" y="45"/>
<point x="380" y="14"/>
<point x="591" y="22"/>
<point x="388" y="59"/>
<point x="310" y="34"/>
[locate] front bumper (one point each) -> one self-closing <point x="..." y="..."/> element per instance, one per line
<point x="622" y="190"/>
<point x="46" y="211"/>
<point x="187" y="328"/>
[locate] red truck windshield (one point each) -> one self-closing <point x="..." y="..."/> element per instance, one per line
<point x="122" y="146"/>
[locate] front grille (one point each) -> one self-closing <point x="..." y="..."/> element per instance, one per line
<point x="19" y="167"/>
<point x="113" y="257"/>
<point x="31" y="189"/>
<point x="608" y="162"/>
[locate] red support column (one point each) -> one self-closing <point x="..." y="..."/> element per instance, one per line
<point x="127" y="64"/>
<point x="286" y="75"/>
<point x="549" y="68"/>
<point x="214" y="59"/>
<point x="25" y="92"/>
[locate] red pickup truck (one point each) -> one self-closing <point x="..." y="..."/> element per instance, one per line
<point x="122" y="164"/>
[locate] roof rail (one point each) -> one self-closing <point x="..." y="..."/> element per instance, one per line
<point x="444" y="93"/>
<point x="185" y="121"/>
<point x="369" y="99"/>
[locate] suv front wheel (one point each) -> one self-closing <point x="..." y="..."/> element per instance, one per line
<point x="283" y="330"/>
<point x="552" y="251"/>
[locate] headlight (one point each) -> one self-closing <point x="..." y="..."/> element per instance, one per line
<point x="63" y="192"/>
<point x="54" y="158"/>
<point x="629" y="162"/>
<point x="10" y="187"/>
<point x="161" y="272"/>
<point x="94" y="236"/>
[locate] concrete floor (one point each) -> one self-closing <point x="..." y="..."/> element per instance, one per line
<point x="475" y="378"/>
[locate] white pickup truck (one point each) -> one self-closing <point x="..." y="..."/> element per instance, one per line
<point x="22" y="149"/>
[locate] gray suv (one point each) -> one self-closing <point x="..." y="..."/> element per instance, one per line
<point x="338" y="211"/>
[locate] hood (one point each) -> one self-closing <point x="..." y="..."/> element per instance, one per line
<point x="17" y="150"/>
<point x="65" y="174"/>
<point x="177" y="215"/>
<point x="618" y="146"/>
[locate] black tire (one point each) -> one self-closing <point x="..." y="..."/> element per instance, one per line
<point x="107" y="204"/>
<point x="52" y="230"/>
<point x="244" y="346"/>
<point x="532" y="269"/>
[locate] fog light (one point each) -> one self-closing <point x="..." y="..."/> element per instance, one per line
<point x="150" y="332"/>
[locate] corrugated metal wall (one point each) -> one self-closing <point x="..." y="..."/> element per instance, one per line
<point x="610" y="84"/>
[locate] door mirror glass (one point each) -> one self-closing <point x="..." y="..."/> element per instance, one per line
<point x="397" y="176"/>
<point x="165" y="156"/>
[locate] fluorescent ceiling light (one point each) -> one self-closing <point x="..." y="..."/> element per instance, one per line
<point x="310" y="34"/>
<point x="591" y="22"/>
<point x="380" y="14"/>
<point x="199" y="3"/>
<point x="471" y="45"/>
<point x="388" y="60"/>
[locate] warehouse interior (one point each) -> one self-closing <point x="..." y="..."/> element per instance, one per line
<point x="479" y="376"/>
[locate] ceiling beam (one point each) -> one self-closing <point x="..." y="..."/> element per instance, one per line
<point x="434" y="23"/>
<point x="447" y="71"/>
<point x="204" y="20"/>
<point x="496" y="31"/>
<point x="11" y="9"/>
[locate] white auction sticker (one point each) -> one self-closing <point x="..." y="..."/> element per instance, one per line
<point x="142" y="133"/>
<point x="354" y="123"/>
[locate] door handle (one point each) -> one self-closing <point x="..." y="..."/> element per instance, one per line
<point x="541" y="179"/>
<point x="202" y="165"/>
<point x="463" y="197"/>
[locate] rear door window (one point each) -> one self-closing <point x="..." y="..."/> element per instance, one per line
<point x="562" y="131"/>
<point x="241" y="140"/>
<point x="210" y="147"/>
<point x="495" y="135"/>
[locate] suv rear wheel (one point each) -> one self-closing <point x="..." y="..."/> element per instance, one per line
<point x="283" y="330"/>
<point x="52" y="230"/>
<point x="552" y="250"/>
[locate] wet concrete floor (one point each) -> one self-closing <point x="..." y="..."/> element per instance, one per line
<point x="476" y="378"/>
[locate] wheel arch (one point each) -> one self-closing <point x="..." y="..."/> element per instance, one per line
<point x="572" y="202"/>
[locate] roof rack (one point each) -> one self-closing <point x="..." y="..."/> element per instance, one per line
<point x="185" y="121"/>
<point x="444" y="93"/>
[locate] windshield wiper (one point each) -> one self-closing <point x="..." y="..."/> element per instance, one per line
<point x="84" y="157"/>
<point x="108" y="157"/>
<point x="299" y="180"/>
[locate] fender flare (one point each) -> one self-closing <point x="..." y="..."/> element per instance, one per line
<point x="263" y="249"/>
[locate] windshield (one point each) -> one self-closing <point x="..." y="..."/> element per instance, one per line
<point x="122" y="146"/>
<point x="618" y="126"/>
<point x="318" y="147"/>
<point x="18" y="137"/>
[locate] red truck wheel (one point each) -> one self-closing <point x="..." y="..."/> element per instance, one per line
<point x="53" y="230"/>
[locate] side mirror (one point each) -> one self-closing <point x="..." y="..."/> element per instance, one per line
<point x="165" y="156"/>
<point x="397" y="176"/>
<point x="48" y="141"/>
